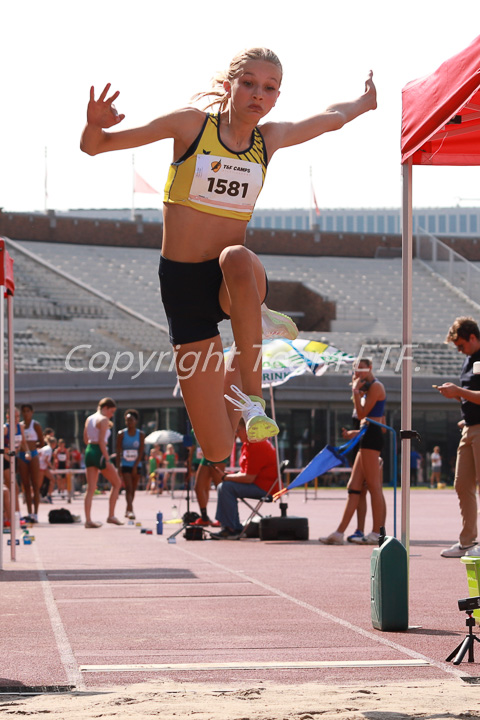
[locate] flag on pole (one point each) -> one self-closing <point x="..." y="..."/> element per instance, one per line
<point x="283" y="359"/>
<point x="141" y="186"/>
<point x="317" y="209"/>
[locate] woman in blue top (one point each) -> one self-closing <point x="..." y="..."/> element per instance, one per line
<point x="369" y="399"/>
<point x="130" y="449"/>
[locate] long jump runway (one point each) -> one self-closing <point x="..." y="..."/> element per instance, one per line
<point x="115" y="606"/>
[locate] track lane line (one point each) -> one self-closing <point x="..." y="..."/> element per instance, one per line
<point x="450" y="670"/>
<point x="70" y="665"/>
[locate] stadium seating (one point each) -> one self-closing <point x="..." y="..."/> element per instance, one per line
<point x="367" y="293"/>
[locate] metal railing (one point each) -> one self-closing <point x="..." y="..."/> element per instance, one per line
<point x="460" y="273"/>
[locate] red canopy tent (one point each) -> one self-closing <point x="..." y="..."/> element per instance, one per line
<point x="7" y="289"/>
<point x="440" y="126"/>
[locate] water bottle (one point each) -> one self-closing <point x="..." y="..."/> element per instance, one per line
<point x="159" y="523"/>
<point x="174" y="512"/>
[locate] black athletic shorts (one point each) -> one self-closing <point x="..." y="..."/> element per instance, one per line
<point x="373" y="438"/>
<point x="190" y="298"/>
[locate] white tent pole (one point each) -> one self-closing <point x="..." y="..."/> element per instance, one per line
<point x="2" y="406"/>
<point x="133" y="189"/>
<point x="406" y="391"/>
<point x="12" y="426"/>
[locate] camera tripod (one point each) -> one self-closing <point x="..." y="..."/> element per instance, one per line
<point x="466" y="644"/>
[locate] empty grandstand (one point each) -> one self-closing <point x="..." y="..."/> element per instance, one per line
<point x="123" y="311"/>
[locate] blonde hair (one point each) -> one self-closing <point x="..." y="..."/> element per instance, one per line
<point x="217" y="90"/>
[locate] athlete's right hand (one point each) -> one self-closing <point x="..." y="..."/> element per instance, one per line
<point x="102" y="112"/>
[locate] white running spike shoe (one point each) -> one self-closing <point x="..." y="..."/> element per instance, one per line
<point x="259" y="426"/>
<point x="277" y="325"/>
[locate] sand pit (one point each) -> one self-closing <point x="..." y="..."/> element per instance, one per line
<point x="256" y="701"/>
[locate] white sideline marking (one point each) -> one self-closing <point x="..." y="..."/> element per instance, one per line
<point x="74" y="676"/>
<point x="139" y="667"/>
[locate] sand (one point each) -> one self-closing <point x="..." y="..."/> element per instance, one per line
<point x="256" y="701"/>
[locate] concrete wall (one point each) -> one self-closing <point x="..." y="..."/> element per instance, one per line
<point x="52" y="228"/>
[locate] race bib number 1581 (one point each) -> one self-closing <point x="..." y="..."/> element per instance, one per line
<point x="227" y="184"/>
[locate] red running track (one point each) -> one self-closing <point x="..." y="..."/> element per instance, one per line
<point x="87" y="607"/>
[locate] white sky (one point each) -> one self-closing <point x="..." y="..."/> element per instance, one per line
<point x="159" y="53"/>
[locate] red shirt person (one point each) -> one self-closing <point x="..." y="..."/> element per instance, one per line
<point x="258" y="472"/>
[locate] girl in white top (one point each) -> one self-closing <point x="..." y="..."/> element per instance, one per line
<point x="95" y="435"/>
<point x="436" y="461"/>
<point x="28" y="463"/>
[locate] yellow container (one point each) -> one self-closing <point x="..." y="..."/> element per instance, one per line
<point x="472" y="566"/>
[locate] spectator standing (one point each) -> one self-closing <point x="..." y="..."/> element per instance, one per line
<point x="20" y="445"/>
<point x="359" y="534"/>
<point x="465" y="335"/>
<point x="47" y="478"/>
<point x="416" y="461"/>
<point x="61" y="461"/>
<point x="130" y="449"/>
<point x="369" y="399"/>
<point x="155" y="463"/>
<point x="206" y="475"/>
<point x="436" y="467"/>
<point x="95" y="435"/>
<point x="76" y="457"/>
<point x="28" y="463"/>
<point x="170" y="461"/>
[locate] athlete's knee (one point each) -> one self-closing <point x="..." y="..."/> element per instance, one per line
<point x="236" y="261"/>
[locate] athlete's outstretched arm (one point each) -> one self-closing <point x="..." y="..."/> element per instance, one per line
<point x="278" y="135"/>
<point x="102" y="115"/>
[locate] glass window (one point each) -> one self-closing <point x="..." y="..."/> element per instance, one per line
<point x="339" y="220"/>
<point x="432" y="225"/>
<point x="473" y="223"/>
<point x="442" y="223"/>
<point x="391" y="224"/>
<point x="452" y="223"/>
<point x="288" y="222"/>
<point x="267" y="221"/>
<point x="380" y="224"/>
<point x="329" y="222"/>
<point x="463" y="223"/>
<point x="421" y="222"/>
<point x="278" y="222"/>
<point x="370" y="223"/>
<point x="298" y="222"/>
<point x="360" y="223"/>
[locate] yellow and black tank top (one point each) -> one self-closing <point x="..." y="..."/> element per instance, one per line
<point x="215" y="180"/>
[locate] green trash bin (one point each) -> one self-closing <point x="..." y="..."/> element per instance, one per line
<point x="389" y="586"/>
<point x="472" y="566"/>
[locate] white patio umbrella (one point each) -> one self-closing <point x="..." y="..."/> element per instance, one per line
<point x="163" y="437"/>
